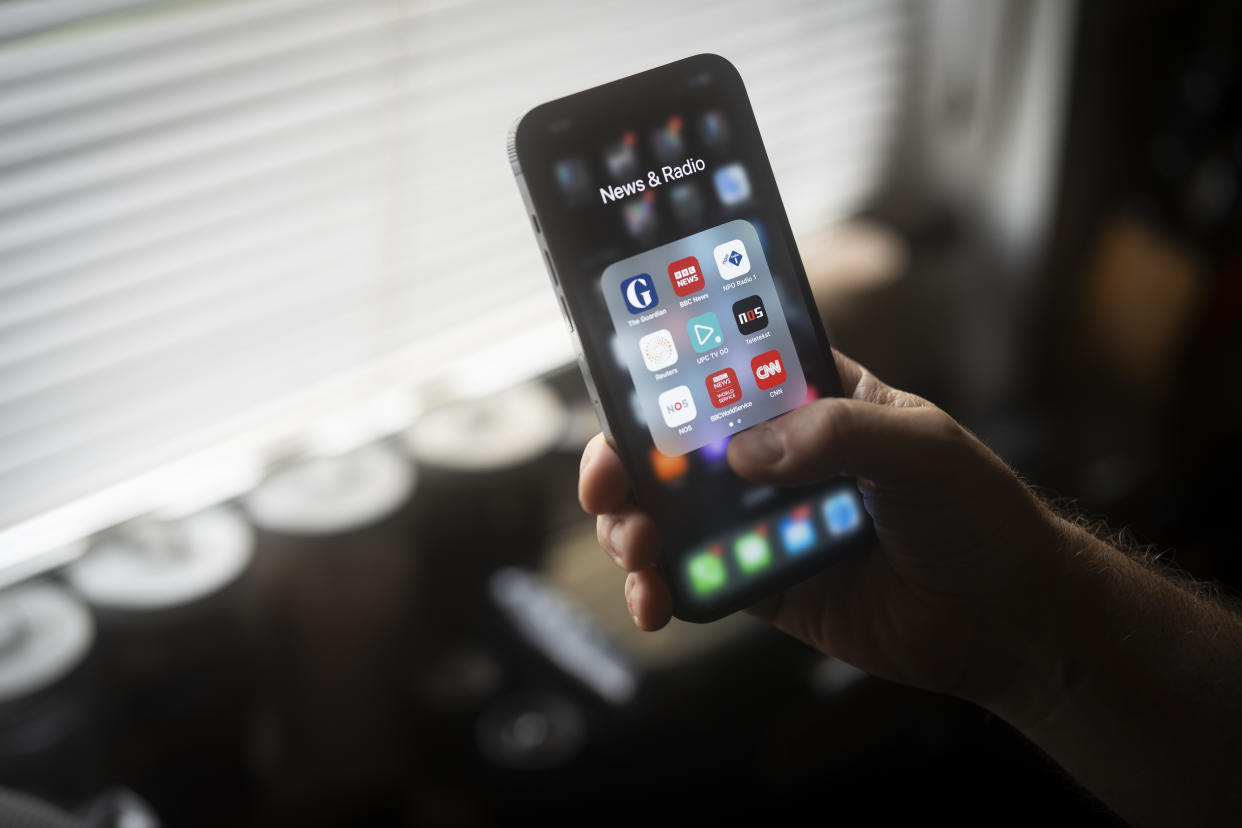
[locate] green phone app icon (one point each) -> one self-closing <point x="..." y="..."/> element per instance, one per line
<point x="752" y="551"/>
<point x="707" y="571"/>
<point x="704" y="332"/>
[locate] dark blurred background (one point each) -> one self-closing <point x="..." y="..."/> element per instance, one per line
<point x="289" y="428"/>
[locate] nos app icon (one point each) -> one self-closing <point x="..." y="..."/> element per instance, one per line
<point x="639" y="293"/>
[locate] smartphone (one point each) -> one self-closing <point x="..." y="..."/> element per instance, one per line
<point x="667" y="244"/>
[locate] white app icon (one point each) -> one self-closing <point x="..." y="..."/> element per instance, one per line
<point x="731" y="259"/>
<point x="658" y="350"/>
<point x="677" y="406"/>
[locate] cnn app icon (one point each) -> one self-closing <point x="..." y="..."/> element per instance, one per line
<point x="769" y="369"/>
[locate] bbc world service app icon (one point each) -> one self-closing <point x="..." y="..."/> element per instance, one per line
<point x="731" y="259"/>
<point x="639" y="293"/>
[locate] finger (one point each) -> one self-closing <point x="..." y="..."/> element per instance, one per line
<point x="850" y="372"/>
<point x="603" y="485"/>
<point x="840" y="436"/>
<point x="648" y="599"/>
<point x="629" y="537"/>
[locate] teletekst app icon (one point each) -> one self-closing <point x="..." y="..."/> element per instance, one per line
<point x="639" y="293"/>
<point x="769" y="369"/>
<point x="677" y="406"/>
<point x="750" y="315"/>
<point x="731" y="259"/>
<point x="686" y="276"/>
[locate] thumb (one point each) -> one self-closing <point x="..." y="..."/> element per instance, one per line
<point x="882" y="443"/>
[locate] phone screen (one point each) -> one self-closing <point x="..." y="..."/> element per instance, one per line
<point x="671" y="250"/>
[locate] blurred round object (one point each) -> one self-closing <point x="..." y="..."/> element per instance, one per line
<point x="507" y="429"/>
<point x="854" y="257"/>
<point x="152" y="565"/>
<point x="50" y="742"/>
<point x="326" y="495"/>
<point x="44" y="634"/>
<point x="531" y="731"/>
<point x="170" y="601"/>
<point x="334" y="578"/>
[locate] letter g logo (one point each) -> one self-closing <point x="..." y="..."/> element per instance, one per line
<point x="639" y="293"/>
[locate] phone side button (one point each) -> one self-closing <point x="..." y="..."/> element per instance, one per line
<point x="547" y="258"/>
<point x="565" y="312"/>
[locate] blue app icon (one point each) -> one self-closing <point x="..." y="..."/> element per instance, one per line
<point x="798" y="531"/>
<point x="639" y="293"/>
<point x="841" y="513"/>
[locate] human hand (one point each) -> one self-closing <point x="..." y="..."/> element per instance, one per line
<point x="954" y="598"/>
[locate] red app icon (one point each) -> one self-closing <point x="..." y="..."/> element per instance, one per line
<point x="686" y="276"/>
<point x="769" y="369"/>
<point x="722" y="388"/>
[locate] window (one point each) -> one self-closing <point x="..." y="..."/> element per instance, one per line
<point x="223" y="224"/>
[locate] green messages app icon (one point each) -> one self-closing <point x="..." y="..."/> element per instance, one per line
<point x="707" y="572"/>
<point x="704" y="332"/>
<point x="753" y="552"/>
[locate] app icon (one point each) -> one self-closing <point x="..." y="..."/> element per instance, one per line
<point x="639" y="293"/>
<point x="668" y="468"/>
<point x="573" y="179"/>
<point x="841" y="513"/>
<point x="750" y="315"/>
<point x="752" y="551"/>
<point x="677" y="406"/>
<point x="620" y="157"/>
<point x="798" y="530"/>
<point x="769" y="369"/>
<point x="706" y="570"/>
<point x="732" y="184"/>
<point x="704" y="331"/>
<point x="686" y="200"/>
<point x="713" y="128"/>
<point x="666" y="140"/>
<point x="731" y="259"/>
<point x="658" y="349"/>
<point x="686" y="276"/>
<point x="640" y="215"/>
<point x="722" y="388"/>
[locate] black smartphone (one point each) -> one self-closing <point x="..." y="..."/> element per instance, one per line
<point x="668" y="246"/>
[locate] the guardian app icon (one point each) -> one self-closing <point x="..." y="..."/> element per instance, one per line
<point x="639" y="293"/>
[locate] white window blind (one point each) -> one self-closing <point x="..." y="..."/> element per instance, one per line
<point x="223" y="224"/>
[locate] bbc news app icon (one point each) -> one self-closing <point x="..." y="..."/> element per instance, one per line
<point x="752" y="551"/>
<point x="723" y="388"/>
<point x="769" y="369"/>
<point x="732" y="184"/>
<point x="677" y="406"/>
<point x="842" y="513"/>
<point x="798" y="530"/>
<point x="704" y="331"/>
<point x="658" y="349"/>
<point x="686" y="276"/>
<point x="731" y="259"/>
<point x="750" y="314"/>
<point x="639" y="293"/>
<point x="707" y="570"/>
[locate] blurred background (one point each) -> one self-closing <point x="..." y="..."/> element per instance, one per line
<point x="289" y="423"/>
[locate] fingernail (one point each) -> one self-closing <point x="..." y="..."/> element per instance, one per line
<point x="760" y="446"/>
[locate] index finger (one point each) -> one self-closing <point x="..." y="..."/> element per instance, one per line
<point x="603" y="485"/>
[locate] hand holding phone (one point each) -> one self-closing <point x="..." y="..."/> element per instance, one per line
<point x="670" y="252"/>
